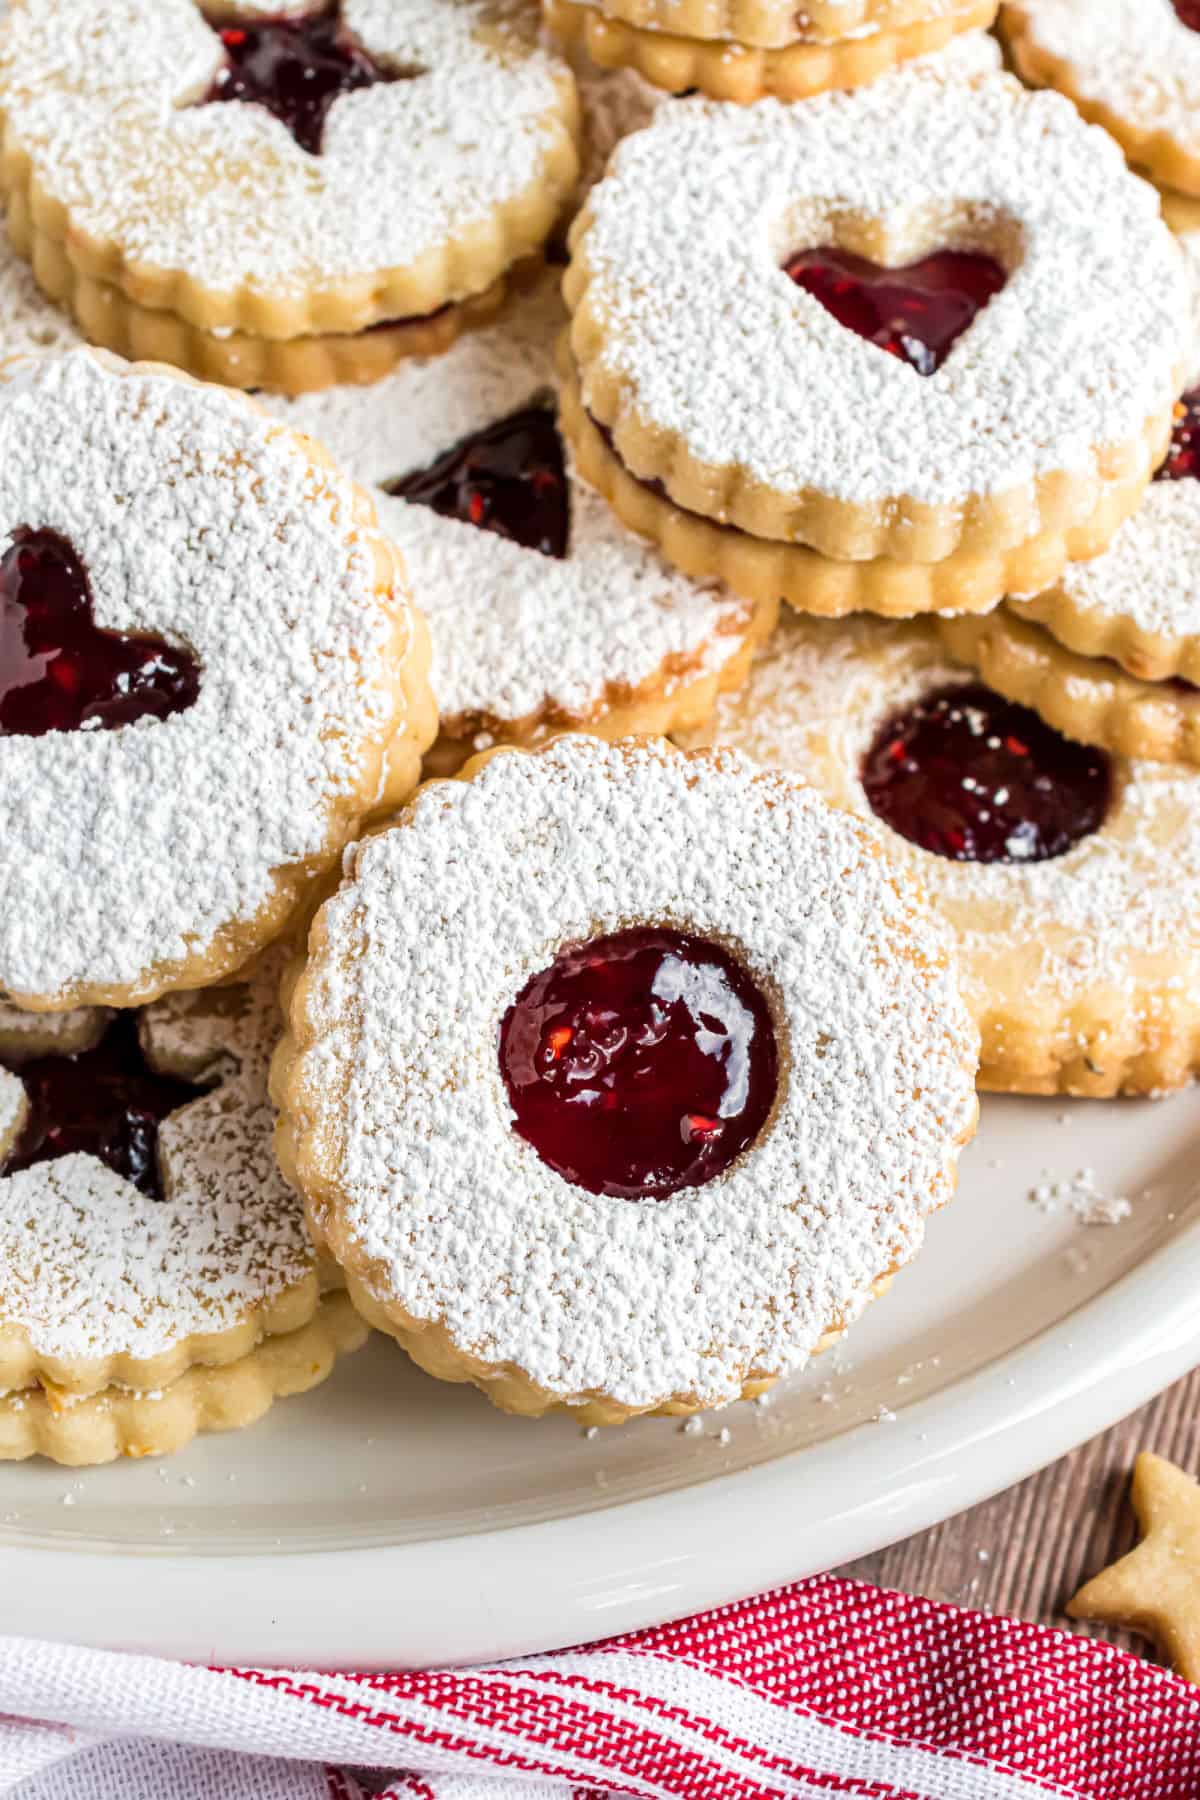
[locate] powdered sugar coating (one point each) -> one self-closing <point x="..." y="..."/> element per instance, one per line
<point x="12" y="1107"/>
<point x="198" y="520"/>
<point x="104" y="107"/>
<point x="89" y="1267"/>
<point x="618" y="101"/>
<point x="516" y="633"/>
<point x="1118" y="913"/>
<point x="1151" y="573"/>
<point x="29" y="324"/>
<point x="456" y="1218"/>
<point x="25" y="1034"/>
<point x="1135" y="58"/>
<point x="708" y="339"/>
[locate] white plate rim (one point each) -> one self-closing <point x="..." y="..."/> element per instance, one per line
<point x="535" y="1587"/>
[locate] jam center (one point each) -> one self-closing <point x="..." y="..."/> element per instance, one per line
<point x="509" y="478"/>
<point x="105" y="1101"/>
<point x="1189" y="13"/>
<point x="972" y="777"/>
<point x="58" y="670"/>
<point x="1183" y="453"/>
<point x="641" y="1063"/>
<point x="296" y="65"/>
<point x="916" y="313"/>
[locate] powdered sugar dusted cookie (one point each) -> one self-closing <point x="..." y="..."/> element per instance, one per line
<point x="689" y="1071"/>
<point x="1071" y="880"/>
<point x="81" y="1430"/>
<point x="1033" y="369"/>
<point x="545" y="613"/>
<point x="144" y="1226"/>
<point x="176" y="176"/>
<point x="211" y="677"/>
<point x="686" y="45"/>
<point x="1131" y="65"/>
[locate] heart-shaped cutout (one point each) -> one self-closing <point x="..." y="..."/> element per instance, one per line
<point x="509" y="478"/>
<point x="296" y="66"/>
<point x="107" y="1102"/>
<point x="916" y="313"/>
<point x="1189" y="13"/>
<point x="1183" y="453"/>
<point x="58" y="670"/>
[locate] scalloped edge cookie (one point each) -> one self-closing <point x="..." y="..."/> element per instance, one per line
<point x="822" y="585"/>
<point x="391" y="765"/>
<point x="1158" y="153"/>
<point x="240" y="359"/>
<point x="81" y="1432"/>
<point x="1086" y="698"/>
<point x="771" y="24"/>
<point x="745" y="72"/>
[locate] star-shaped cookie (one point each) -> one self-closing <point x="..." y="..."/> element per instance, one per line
<point x="1156" y="1588"/>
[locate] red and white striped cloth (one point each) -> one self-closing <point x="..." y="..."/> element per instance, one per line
<point x="829" y="1687"/>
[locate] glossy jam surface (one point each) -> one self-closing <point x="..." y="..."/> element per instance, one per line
<point x="509" y="478"/>
<point x="105" y="1101"/>
<point x="969" y="776"/>
<point x="295" y="65"/>
<point x="1183" y="454"/>
<point x="641" y="1063"/>
<point x="1189" y="13"/>
<point x="916" y="313"/>
<point x="58" y="670"/>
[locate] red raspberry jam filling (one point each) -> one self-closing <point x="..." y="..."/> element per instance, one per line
<point x="296" y="65"/>
<point x="917" y="312"/>
<point x="105" y="1101"/>
<point x="509" y="478"/>
<point x="641" y="1063"/>
<point x="1183" y="453"/>
<point x="973" y="777"/>
<point x="58" y="670"/>
<point x="1189" y="12"/>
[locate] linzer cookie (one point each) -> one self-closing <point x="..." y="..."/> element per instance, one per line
<point x="1070" y="878"/>
<point x="878" y="331"/>
<point x="1131" y="65"/>
<point x="146" y="1233"/>
<point x="545" y="613"/>
<point x="751" y="48"/>
<point x="204" y="187"/>
<point x="210" y="677"/>
<point x="689" y="1056"/>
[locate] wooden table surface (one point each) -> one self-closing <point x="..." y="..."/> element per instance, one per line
<point x="1028" y="1550"/>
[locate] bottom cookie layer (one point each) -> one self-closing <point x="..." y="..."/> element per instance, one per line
<point x="823" y="586"/>
<point x="747" y="72"/>
<point x="1087" y="698"/>
<point x="120" y="1422"/>
<point x="433" y="1349"/>
<point x="239" y="359"/>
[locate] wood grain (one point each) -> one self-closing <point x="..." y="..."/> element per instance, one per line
<point x="1029" y="1549"/>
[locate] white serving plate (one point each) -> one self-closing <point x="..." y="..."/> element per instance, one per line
<point x="387" y="1519"/>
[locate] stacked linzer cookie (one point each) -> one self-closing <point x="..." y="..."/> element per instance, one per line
<point x="743" y="50"/>
<point x="621" y="1072"/>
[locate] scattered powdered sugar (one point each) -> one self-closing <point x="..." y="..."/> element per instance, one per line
<point x="1136" y="58"/>
<point x="12" y="1108"/>
<point x="24" y="1034"/>
<point x="711" y="342"/>
<point x="199" y="520"/>
<point x="451" y="1215"/>
<point x="1150" y="574"/>
<point x="517" y="634"/>
<point x="1081" y="1196"/>
<point x="105" y="107"/>
<point x="91" y="1267"/>
<point x="1118" y="912"/>
<point x="29" y="324"/>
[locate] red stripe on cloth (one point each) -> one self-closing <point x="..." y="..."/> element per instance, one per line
<point x="342" y="1788"/>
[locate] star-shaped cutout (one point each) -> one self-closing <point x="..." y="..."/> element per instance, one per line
<point x="1156" y="1588"/>
<point x="296" y="66"/>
